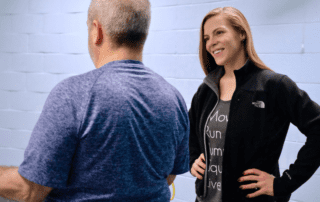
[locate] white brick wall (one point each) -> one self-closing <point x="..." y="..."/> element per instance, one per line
<point x="45" y="41"/>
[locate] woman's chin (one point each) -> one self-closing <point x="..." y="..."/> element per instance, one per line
<point x="219" y="63"/>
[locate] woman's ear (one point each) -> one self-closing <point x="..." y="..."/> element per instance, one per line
<point x="243" y="35"/>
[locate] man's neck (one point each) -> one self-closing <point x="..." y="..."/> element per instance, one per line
<point x="118" y="55"/>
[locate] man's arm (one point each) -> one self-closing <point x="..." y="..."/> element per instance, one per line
<point x="170" y="179"/>
<point x="15" y="187"/>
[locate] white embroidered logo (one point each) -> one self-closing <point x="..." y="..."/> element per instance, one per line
<point x="259" y="104"/>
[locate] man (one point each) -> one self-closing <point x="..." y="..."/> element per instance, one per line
<point x="117" y="133"/>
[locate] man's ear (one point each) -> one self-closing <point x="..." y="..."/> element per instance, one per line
<point x="97" y="32"/>
<point x="99" y="36"/>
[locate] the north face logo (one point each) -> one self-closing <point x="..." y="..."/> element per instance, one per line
<point x="259" y="104"/>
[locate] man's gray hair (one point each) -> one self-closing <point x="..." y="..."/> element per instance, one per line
<point x="125" y="21"/>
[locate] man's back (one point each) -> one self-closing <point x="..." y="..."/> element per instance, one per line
<point x="112" y="134"/>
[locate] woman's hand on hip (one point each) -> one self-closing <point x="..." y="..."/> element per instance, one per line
<point x="264" y="184"/>
<point x="198" y="167"/>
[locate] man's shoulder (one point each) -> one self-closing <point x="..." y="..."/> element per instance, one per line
<point x="78" y="83"/>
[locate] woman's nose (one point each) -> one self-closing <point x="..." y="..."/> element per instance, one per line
<point x="211" y="42"/>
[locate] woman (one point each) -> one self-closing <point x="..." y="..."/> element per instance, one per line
<point x="239" y="118"/>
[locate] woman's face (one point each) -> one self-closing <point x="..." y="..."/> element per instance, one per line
<point x="222" y="41"/>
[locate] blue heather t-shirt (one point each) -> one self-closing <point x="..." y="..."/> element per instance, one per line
<point x="112" y="134"/>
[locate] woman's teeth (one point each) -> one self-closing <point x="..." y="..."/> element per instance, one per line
<point x="217" y="51"/>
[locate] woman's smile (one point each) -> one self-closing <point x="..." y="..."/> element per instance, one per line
<point x="218" y="53"/>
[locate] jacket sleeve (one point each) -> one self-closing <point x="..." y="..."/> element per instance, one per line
<point x="305" y="114"/>
<point x="194" y="147"/>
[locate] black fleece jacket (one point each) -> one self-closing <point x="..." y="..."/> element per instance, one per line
<point x="262" y="107"/>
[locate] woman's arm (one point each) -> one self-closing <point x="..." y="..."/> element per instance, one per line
<point x="305" y="114"/>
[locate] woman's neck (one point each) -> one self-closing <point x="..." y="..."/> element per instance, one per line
<point x="230" y="68"/>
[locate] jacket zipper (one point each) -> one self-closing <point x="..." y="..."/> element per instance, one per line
<point x="205" y="147"/>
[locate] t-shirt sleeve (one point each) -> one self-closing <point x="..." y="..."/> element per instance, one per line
<point x="48" y="156"/>
<point x="181" y="163"/>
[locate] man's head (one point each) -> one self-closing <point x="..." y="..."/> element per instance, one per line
<point x="117" y="24"/>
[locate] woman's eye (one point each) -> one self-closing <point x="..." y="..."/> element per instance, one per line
<point x="219" y="32"/>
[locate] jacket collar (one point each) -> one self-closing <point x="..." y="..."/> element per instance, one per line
<point x="242" y="74"/>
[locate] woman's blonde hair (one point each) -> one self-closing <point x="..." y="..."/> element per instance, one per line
<point x="239" y="24"/>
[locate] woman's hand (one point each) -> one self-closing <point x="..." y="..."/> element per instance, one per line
<point x="264" y="182"/>
<point x="198" y="167"/>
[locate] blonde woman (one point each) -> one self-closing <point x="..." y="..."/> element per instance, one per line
<point x="240" y="116"/>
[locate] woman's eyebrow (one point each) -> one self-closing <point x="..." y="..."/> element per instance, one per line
<point x="213" y="31"/>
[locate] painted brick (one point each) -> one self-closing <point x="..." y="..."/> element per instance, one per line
<point x="53" y="23"/>
<point x="294" y="135"/>
<point x="31" y="101"/>
<point x="27" y="62"/>
<point x="13" y="6"/>
<point x="66" y="23"/>
<point x="186" y="19"/>
<point x="11" y="157"/>
<point x="73" y="6"/>
<point x="76" y="22"/>
<point x="74" y="43"/>
<point x="288" y="64"/>
<point x="5" y="24"/>
<point x="4" y="99"/>
<point x="161" y="64"/>
<point x="68" y="64"/>
<point x="5" y="61"/>
<point x="62" y="77"/>
<point x="27" y="23"/>
<point x="14" y="138"/>
<point x="191" y="16"/>
<point x="188" y="106"/>
<point x="163" y="18"/>
<point x="41" y="82"/>
<point x="187" y="87"/>
<point x="188" y="66"/>
<point x="175" y="200"/>
<point x="270" y="12"/>
<point x="278" y="38"/>
<point x="289" y="154"/>
<point x="312" y="11"/>
<point x="18" y="120"/>
<point x="188" y="41"/>
<point x="12" y="81"/>
<point x="188" y="174"/>
<point x="13" y="43"/>
<point x="161" y="42"/>
<point x="175" y="66"/>
<point x="185" y="188"/>
<point x="309" y="191"/>
<point x="44" y="6"/>
<point x="48" y="43"/>
<point x="312" y="38"/>
<point x="310" y="68"/>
